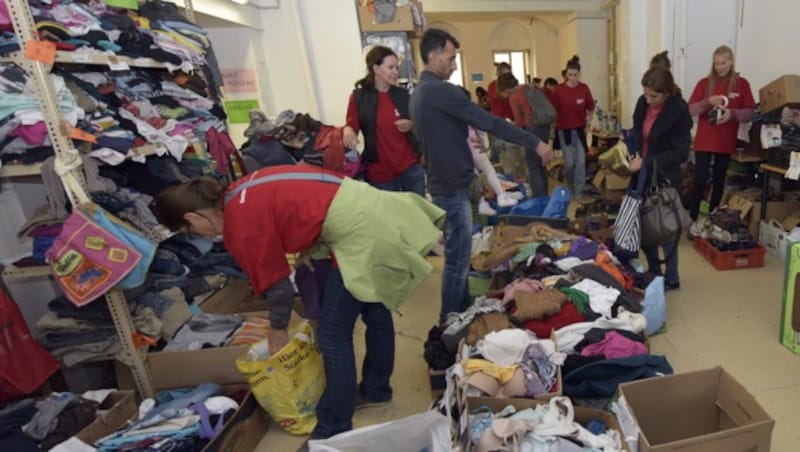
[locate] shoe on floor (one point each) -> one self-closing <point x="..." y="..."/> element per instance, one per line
<point x="696" y="229"/>
<point x="671" y="285"/>
<point x="485" y="209"/>
<point x="505" y="200"/>
<point x="361" y="402"/>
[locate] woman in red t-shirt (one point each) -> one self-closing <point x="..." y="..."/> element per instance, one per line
<point x="574" y="104"/>
<point x="379" y="110"/>
<point x="723" y="90"/>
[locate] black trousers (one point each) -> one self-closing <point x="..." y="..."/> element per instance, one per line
<point x="702" y="168"/>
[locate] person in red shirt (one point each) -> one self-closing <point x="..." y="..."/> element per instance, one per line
<point x="378" y="108"/>
<point x="663" y="123"/>
<point x="500" y="105"/>
<point x="729" y="93"/>
<point x="524" y="118"/>
<point x="574" y="104"/>
<point x="289" y="209"/>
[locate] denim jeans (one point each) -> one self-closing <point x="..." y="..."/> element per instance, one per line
<point x="411" y="180"/>
<point x="457" y="248"/>
<point x="574" y="162"/>
<point x="335" y="335"/>
<point x="653" y="266"/>
<point x="537" y="173"/>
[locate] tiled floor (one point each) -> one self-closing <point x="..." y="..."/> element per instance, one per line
<point x="717" y="318"/>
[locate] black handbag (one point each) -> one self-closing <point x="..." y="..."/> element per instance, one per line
<point x="662" y="214"/>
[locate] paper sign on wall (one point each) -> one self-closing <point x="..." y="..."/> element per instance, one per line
<point x="239" y="80"/>
<point x="239" y="110"/>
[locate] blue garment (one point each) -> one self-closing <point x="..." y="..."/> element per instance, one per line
<point x="114" y="444"/>
<point x="335" y="332"/>
<point x="654" y="266"/>
<point x="457" y="246"/>
<point x="557" y="204"/>
<point x="40" y="246"/>
<point x="600" y="379"/>
<point x="411" y="180"/>
<point x="311" y="286"/>
<point x="166" y="262"/>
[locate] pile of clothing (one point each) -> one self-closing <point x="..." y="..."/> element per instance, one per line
<point x="548" y="426"/>
<point x="726" y="231"/>
<point x="33" y="425"/>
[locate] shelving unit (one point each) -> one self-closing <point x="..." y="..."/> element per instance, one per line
<point x="69" y="159"/>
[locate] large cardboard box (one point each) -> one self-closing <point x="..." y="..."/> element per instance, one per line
<point x="751" y="210"/>
<point x="403" y="20"/>
<point x="611" y="186"/>
<point x="236" y="296"/>
<point x="701" y="411"/>
<point x="115" y="411"/>
<point x="778" y="93"/>
<point x="582" y="415"/>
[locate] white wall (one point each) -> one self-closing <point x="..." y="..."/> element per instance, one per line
<point x="312" y="54"/>
<point x="767" y="44"/>
<point x="567" y="44"/>
<point x="592" y="48"/>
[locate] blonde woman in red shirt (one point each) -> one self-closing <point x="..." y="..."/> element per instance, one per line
<point x="574" y="104"/>
<point x="721" y="101"/>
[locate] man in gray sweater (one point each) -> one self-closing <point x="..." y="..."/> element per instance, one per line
<point x="441" y="114"/>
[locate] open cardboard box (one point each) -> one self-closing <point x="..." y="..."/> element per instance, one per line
<point x="700" y="411"/>
<point x="582" y="415"/>
<point x="611" y="186"/>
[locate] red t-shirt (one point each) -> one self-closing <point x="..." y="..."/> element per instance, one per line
<point x="265" y="222"/>
<point x="395" y="154"/>
<point x="721" y="138"/>
<point x="649" y="119"/>
<point x="572" y="105"/>
<point x="500" y="106"/>
<point x="523" y="112"/>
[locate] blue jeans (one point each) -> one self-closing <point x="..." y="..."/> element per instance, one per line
<point x="335" y="336"/>
<point x="653" y="265"/>
<point x="412" y="180"/>
<point x="457" y="248"/>
<point x="574" y="162"/>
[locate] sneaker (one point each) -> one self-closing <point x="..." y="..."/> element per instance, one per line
<point x="485" y="209"/>
<point x="696" y="229"/>
<point x="504" y="200"/>
<point x="364" y="403"/>
<point x="671" y="285"/>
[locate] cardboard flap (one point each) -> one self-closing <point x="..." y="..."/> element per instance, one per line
<point x="791" y="221"/>
<point x="741" y="204"/>
<point x="738" y="404"/>
<point x="119" y="407"/>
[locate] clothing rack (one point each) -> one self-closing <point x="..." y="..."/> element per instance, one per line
<point x="68" y="161"/>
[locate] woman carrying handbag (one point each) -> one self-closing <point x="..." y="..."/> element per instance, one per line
<point x="663" y="122"/>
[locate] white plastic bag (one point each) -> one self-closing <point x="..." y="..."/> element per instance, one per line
<point x="654" y="306"/>
<point x="428" y="431"/>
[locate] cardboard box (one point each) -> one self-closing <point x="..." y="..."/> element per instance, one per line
<point x="779" y="93"/>
<point x="403" y="20"/>
<point x="229" y="299"/>
<point x="772" y="236"/>
<point x="116" y="409"/>
<point x="193" y="367"/>
<point x="750" y="210"/>
<point x="611" y="186"/>
<point x="701" y="411"/>
<point x="582" y="415"/>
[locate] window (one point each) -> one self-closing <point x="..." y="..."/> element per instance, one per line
<point x="458" y="75"/>
<point x="518" y="59"/>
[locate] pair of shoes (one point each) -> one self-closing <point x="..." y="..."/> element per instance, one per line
<point x="671" y="285"/>
<point x="361" y="402"/>
<point x="696" y="229"/>
<point x="505" y="200"/>
<point x="485" y="209"/>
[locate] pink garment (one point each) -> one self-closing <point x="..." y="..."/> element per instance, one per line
<point x="33" y="134"/>
<point x="5" y="18"/>
<point x="615" y="345"/>
<point x="521" y="285"/>
<point x="181" y="128"/>
<point x="222" y="149"/>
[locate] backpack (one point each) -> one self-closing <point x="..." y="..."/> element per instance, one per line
<point x="543" y="111"/>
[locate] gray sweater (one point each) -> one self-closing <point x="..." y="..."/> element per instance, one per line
<point x="441" y="113"/>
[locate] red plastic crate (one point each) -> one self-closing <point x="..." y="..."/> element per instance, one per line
<point x="730" y="260"/>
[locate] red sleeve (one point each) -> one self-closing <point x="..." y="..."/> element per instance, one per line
<point x="516" y="108"/>
<point x="590" y="103"/>
<point x="746" y="93"/>
<point x="555" y="99"/>
<point x="352" y="114"/>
